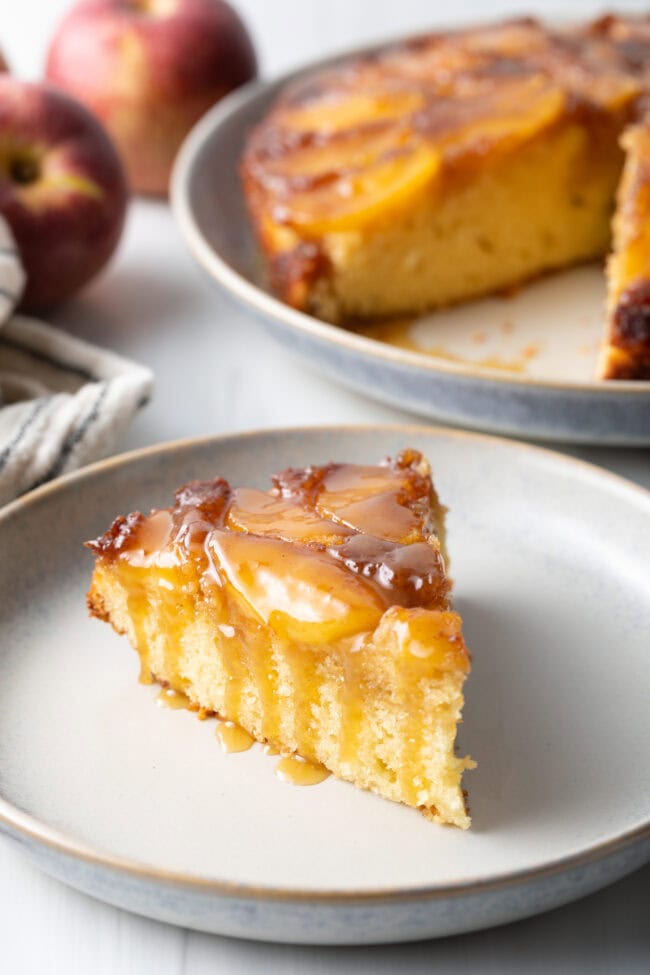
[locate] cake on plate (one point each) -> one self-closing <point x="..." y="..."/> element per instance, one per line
<point x="459" y="164"/>
<point x="315" y="615"/>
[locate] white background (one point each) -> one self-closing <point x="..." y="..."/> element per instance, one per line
<point x="215" y="371"/>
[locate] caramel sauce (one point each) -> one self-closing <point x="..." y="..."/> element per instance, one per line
<point x="155" y="532"/>
<point x="393" y="331"/>
<point x="233" y="738"/>
<point x="138" y="609"/>
<point x="416" y="571"/>
<point x="265" y="514"/>
<point x="398" y="332"/>
<point x="175" y="700"/>
<point x="298" y="771"/>
<point x="237" y="673"/>
<point x="351" y="697"/>
<point x="265" y="676"/>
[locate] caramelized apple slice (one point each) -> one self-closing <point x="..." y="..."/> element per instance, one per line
<point x="374" y="499"/>
<point x="355" y="199"/>
<point x="512" y="113"/>
<point x="263" y="514"/>
<point x="342" y="154"/>
<point x="380" y="515"/>
<point x="368" y="500"/>
<point x="303" y="594"/>
<point x="347" y="110"/>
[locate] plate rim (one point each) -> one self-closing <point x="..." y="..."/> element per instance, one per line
<point x="268" y="306"/>
<point x="30" y="829"/>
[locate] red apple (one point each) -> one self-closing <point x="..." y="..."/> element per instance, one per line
<point x="62" y="189"/>
<point x="149" y="69"/>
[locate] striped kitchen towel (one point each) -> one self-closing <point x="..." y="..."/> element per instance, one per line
<point x="63" y="402"/>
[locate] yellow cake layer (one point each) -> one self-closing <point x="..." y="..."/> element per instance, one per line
<point x="545" y="206"/>
<point x="384" y="718"/>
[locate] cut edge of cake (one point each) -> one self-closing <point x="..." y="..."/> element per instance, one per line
<point x="625" y="352"/>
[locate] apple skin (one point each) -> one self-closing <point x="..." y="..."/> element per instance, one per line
<point x="149" y="69"/>
<point x="63" y="189"/>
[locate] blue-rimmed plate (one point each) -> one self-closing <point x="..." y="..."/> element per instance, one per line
<point x="138" y="805"/>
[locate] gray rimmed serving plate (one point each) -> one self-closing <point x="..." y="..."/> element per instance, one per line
<point x="519" y="365"/>
<point x="139" y="807"/>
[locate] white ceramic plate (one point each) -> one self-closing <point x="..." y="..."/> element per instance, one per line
<point x="522" y="365"/>
<point x="138" y="805"/>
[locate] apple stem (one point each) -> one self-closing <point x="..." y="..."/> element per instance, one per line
<point x="23" y="170"/>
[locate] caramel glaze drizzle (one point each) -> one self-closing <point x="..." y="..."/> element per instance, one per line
<point x="297" y="771"/>
<point x="233" y="738"/>
<point x="175" y="700"/>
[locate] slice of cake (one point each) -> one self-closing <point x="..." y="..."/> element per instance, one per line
<point x="449" y="167"/>
<point x="315" y="615"/>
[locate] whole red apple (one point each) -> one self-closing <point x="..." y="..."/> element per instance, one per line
<point x="62" y="189"/>
<point x="149" y="69"/>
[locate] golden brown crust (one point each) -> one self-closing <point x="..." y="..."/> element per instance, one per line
<point x="116" y="537"/>
<point x="629" y="338"/>
<point x="294" y="273"/>
<point x="95" y="603"/>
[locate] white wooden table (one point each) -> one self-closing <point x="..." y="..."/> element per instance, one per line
<point x="216" y="371"/>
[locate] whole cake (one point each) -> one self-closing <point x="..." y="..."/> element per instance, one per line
<point x="316" y="616"/>
<point x="458" y="164"/>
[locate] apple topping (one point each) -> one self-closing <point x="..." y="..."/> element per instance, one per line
<point x="355" y="199"/>
<point x="316" y="161"/>
<point x="413" y="574"/>
<point x="427" y="639"/>
<point x="507" y="113"/>
<point x="301" y="593"/>
<point x="370" y="500"/>
<point x="155" y="532"/>
<point x="263" y="514"/>
<point x="349" y="110"/>
<point x="378" y="500"/>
